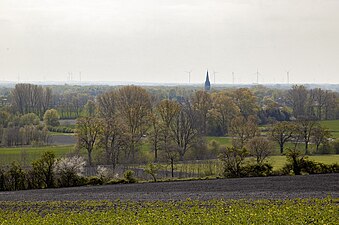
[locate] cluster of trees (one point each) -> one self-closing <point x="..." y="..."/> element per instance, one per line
<point x="46" y="172"/>
<point x="119" y="120"/>
<point x="30" y="98"/>
<point x="314" y="103"/>
<point x="22" y="130"/>
<point x="126" y="116"/>
<point x="303" y="130"/>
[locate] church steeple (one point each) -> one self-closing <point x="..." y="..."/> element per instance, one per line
<point x="207" y="83"/>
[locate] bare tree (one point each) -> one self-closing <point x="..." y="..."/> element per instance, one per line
<point x="282" y="132"/>
<point x="305" y="128"/>
<point x="260" y="147"/>
<point x="87" y="131"/>
<point x="134" y="107"/>
<point x="185" y="129"/>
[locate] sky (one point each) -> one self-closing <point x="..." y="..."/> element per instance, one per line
<point x="159" y="41"/>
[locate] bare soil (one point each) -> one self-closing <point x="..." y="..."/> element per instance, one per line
<point x="279" y="187"/>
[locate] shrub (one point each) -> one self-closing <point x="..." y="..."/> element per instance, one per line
<point x="16" y="177"/>
<point x="129" y="176"/>
<point x="258" y="170"/>
<point x="43" y="169"/>
<point x="95" y="181"/>
<point x="103" y="173"/>
<point x="233" y="161"/>
<point x="304" y="165"/>
<point x="69" y="171"/>
<point x="153" y="169"/>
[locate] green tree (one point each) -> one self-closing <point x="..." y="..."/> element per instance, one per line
<point x="233" y="161"/>
<point x="242" y="130"/>
<point x="51" y="118"/>
<point x="43" y="169"/>
<point x="223" y="111"/>
<point x="246" y="102"/>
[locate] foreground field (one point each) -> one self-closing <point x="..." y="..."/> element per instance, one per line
<point x="278" y="187"/>
<point x="306" y="211"/>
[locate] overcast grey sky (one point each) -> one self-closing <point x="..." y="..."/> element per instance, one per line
<point x="158" y="40"/>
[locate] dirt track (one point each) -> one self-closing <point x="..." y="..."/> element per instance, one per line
<point x="254" y="188"/>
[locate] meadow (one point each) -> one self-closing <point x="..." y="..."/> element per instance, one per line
<point x="296" y="211"/>
<point x="333" y="126"/>
<point x="25" y="155"/>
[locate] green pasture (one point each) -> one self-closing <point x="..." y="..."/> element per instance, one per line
<point x="26" y="155"/>
<point x="279" y="161"/>
<point x="221" y="140"/>
<point x="295" y="211"/>
<point x="333" y="126"/>
<point x="214" y="167"/>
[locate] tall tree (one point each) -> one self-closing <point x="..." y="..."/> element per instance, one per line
<point x="305" y="128"/>
<point x="298" y="97"/>
<point x="134" y="107"/>
<point x="202" y="103"/>
<point x="87" y="131"/>
<point x="242" y="130"/>
<point x="185" y="129"/>
<point x="223" y="111"/>
<point x="282" y="132"/>
<point x="246" y="102"/>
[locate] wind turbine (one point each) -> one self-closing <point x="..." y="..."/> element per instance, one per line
<point x="288" y="76"/>
<point x="233" y="78"/>
<point x="189" y="76"/>
<point x="257" y="73"/>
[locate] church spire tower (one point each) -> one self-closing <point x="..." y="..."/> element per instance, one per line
<point x="207" y="83"/>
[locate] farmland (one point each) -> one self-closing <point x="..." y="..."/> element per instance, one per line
<point x="304" y="211"/>
<point x="269" y="200"/>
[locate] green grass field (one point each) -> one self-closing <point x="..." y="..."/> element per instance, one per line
<point x="26" y="155"/>
<point x="333" y="126"/>
<point x="222" y="140"/>
<point x="294" y="211"/>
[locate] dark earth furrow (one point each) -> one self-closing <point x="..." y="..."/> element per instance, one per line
<point x="278" y="187"/>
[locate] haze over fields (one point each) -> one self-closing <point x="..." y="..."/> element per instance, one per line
<point x="157" y="41"/>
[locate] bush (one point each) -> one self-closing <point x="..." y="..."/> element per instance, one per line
<point x="310" y="167"/>
<point x="43" y="170"/>
<point x="69" y="171"/>
<point x="233" y="161"/>
<point x="129" y="176"/>
<point x="95" y="181"/>
<point x="152" y="169"/>
<point x="16" y="177"/>
<point x="258" y="170"/>
<point x="103" y="173"/>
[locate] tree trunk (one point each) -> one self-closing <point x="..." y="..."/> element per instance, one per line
<point x="89" y="151"/>
<point x="306" y="148"/>
<point x="172" y="167"/>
